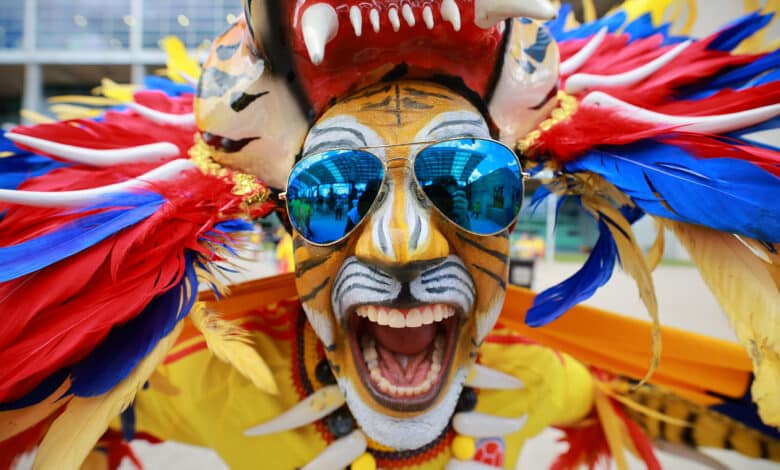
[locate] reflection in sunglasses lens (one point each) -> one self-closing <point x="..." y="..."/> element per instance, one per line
<point x="475" y="183"/>
<point x="328" y="194"/>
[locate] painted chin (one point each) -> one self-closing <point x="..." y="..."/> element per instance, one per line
<point x="403" y="355"/>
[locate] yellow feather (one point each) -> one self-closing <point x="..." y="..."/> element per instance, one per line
<point x="744" y="285"/>
<point x="74" y="433"/>
<point x="633" y="262"/>
<point x="588" y="11"/>
<point x="230" y="343"/>
<point x="14" y="422"/>
<point x="112" y="90"/>
<point x="181" y="67"/>
<point x="84" y="100"/>
<point x="656" y="252"/>
<point x="613" y="429"/>
<point x="36" y="117"/>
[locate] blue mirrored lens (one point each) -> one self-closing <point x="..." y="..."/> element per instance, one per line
<point x="476" y="183"/>
<point x="329" y="193"/>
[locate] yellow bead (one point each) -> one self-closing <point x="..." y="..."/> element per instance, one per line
<point x="364" y="462"/>
<point x="463" y="447"/>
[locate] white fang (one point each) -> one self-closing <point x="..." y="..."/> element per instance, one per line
<point x="582" y="81"/>
<point x="573" y="63"/>
<point x="476" y="424"/>
<point x="166" y="119"/>
<point x="489" y="12"/>
<point x="356" y="18"/>
<point x="450" y="12"/>
<point x="491" y="379"/>
<point x="340" y="453"/>
<point x="427" y="15"/>
<point x="88" y="197"/>
<point x="408" y="14"/>
<point x="319" y="25"/>
<point x="99" y="157"/>
<point x="316" y="406"/>
<point x="717" y="124"/>
<point x="395" y="21"/>
<point x="373" y="16"/>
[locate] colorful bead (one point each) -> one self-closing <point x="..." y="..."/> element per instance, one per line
<point x="324" y="374"/>
<point x="463" y="448"/>
<point x="467" y="400"/>
<point x="340" y="422"/>
<point x="364" y="462"/>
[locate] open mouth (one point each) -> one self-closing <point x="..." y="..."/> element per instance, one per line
<point x="403" y="355"/>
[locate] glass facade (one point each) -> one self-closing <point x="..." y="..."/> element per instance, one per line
<point x="194" y="21"/>
<point x="83" y="25"/>
<point x="11" y="24"/>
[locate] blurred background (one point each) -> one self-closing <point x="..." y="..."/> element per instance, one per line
<point x="56" y="47"/>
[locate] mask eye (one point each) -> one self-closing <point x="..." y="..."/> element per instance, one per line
<point x="476" y="183"/>
<point x="330" y="193"/>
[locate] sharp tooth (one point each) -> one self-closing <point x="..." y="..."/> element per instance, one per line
<point x="414" y="318"/>
<point x="489" y="12"/>
<point x="450" y="12"/>
<point x="371" y="312"/>
<point x="392" y="15"/>
<point x="383" y="317"/>
<point x="320" y="23"/>
<point x="356" y="17"/>
<point x="438" y="314"/>
<point x="408" y="13"/>
<point x="428" y="17"/>
<point x="373" y="16"/>
<point x="397" y="319"/>
<point x="448" y="312"/>
<point x="361" y="312"/>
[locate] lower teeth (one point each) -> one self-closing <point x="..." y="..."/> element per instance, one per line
<point x="371" y="357"/>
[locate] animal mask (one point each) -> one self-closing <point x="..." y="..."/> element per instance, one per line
<point x="403" y="303"/>
<point x="281" y="65"/>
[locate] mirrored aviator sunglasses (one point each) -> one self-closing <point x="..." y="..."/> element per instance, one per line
<point x="475" y="183"/>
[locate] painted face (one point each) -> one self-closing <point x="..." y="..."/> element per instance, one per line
<point x="403" y="303"/>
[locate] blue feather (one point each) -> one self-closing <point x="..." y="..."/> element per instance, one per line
<point x="167" y="86"/>
<point x="745" y="411"/>
<point x="22" y="165"/>
<point x="127" y="420"/>
<point x="725" y="194"/>
<point x="44" y="390"/>
<point x="613" y="23"/>
<point x="597" y="270"/>
<point x="78" y="235"/>
<point x="761" y="71"/>
<point x="733" y="34"/>
<point x="124" y="347"/>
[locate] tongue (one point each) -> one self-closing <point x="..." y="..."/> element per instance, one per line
<point x="407" y="341"/>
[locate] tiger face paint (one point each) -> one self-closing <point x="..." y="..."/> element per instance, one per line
<point x="404" y="302"/>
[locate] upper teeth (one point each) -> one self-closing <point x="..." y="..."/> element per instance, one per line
<point x="412" y="318"/>
<point x="320" y="22"/>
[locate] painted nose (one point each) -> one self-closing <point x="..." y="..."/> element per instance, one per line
<point x="401" y="233"/>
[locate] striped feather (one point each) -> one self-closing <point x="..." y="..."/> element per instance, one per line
<point x="231" y="344"/>
<point x="65" y="449"/>
<point x="745" y="287"/>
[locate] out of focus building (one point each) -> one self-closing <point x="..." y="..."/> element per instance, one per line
<point x="52" y="47"/>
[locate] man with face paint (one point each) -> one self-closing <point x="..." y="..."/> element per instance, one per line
<point x="399" y="160"/>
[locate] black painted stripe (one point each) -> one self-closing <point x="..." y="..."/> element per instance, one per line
<point x="331" y="144"/>
<point x="457" y="122"/>
<point x="446" y="265"/>
<point x="308" y="265"/>
<point x="318" y="131"/>
<point x="426" y="94"/>
<point x="344" y="279"/>
<point x="377" y="105"/>
<point x="687" y="435"/>
<point x="495" y="254"/>
<point x="490" y="273"/>
<point x="411" y="103"/>
<point x="364" y="287"/>
<point x="450" y="276"/>
<point x="444" y="290"/>
<point x="313" y="293"/>
<point x="240" y="101"/>
<point x="368" y="94"/>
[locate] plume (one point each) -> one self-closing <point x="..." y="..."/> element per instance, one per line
<point x="66" y="449"/>
<point x="745" y="286"/>
<point x="231" y="344"/>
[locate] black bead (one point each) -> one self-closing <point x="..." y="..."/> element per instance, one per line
<point x="467" y="400"/>
<point x="340" y="422"/>
<point x="324" y="374"/>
